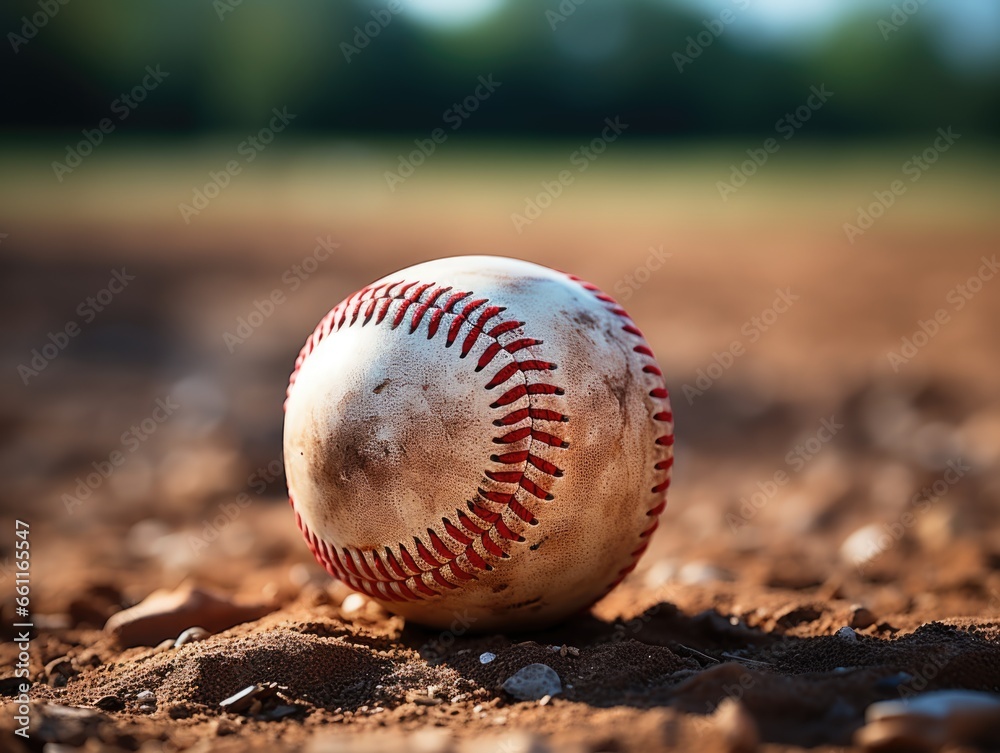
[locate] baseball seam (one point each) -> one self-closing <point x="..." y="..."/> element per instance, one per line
<point x="664" y="442"/>
<point x="481" y="533"/>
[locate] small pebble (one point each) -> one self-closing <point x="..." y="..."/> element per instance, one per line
<point x="533" y="682"/>
<point x="147" y="707"/>
<point x="298" y="575"/>
<point x="738" y="728"/>
<point x="423" y="700"/>
<point x="932" y="721"/>
<point x="191" y="635"/>
<point x="163" y="614"/>
<point x="223" y="728"/>
<point x="563" y="650"/>
<point x="145" y="695"/>
<point x="242" y="700"/>
<point x="847" y="634"/>
<point x="938" y="704"/>
<point x="660" y="573"/>
<point x="109" y="703"/>
<point x="892" y="682"/>
<point x="62" y="666"/>
<point x="696" y="573"/>
<point x="179" y="711"/>
<point x="486" y="658"/>
<point x="863" y="545"/>
<point x="352" y="604"/>
<point x="861" y="617"/>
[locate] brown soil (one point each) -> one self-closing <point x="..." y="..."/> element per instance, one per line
<point x="738" y="597"/>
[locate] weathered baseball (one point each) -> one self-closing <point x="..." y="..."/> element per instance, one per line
<point x="478" y="440"/>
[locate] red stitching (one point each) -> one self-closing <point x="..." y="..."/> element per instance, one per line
<point x="455" y="298"/>
<point x="504" y="477"/>
<point x="488" y="355"/>
<point x="476" y="560"/>
<point x="490" y="546"/>
<point x="483" y="514"/>
<point x="524" y="342"/>
<point x="545" y="466"/>
<point x="351" y="567"/>
<point x="380" y="566"/>
<point x="456" y="534"/>
<point x="549" y="439"/>
<point x="439" y="546"/>
<point x="458" y="572"/>
<point x="514" y="417"/>
<point x="514" y="436"/>
<point x="396" y="568"/>
<point x="468" y="525"/>
<point x="426" y="555"/>
<point x="658" y="393"/>
<point x="542" y="414"/>
<point x="384" y="307"/>
<point x="436" y="573"/>
<point x="365" y="568"/>
<point x="515" y="458"/>
<point x="504" y="327"/>
<point x="521" y="390"/>
<point x="495" y="347"/>
<point x="532" y="488"/>
<point x="512" y="368"/>
<point x="423" y="587"/>
<point x="408" y="560"/>
<point x="522" y="512"/>
<point x="401" y="576"/>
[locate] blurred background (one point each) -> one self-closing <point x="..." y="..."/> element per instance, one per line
<point x="797" y="202"/>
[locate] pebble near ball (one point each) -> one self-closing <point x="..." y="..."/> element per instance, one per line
<point x="478" y="436"/>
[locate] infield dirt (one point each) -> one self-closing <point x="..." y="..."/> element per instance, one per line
<point x="820" y="484"/>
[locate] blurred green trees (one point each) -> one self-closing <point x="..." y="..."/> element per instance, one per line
<point x="363" y="68"/>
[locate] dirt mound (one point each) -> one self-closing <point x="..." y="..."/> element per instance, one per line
<point x="370" y="673"/>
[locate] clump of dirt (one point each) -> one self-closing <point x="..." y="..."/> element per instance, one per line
<point x="797" y="690"/>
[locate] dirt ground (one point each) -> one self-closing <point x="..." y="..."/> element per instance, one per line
<point x="819" y="483"/>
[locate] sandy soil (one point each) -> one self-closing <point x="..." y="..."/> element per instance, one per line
<point x="816" y="486"/>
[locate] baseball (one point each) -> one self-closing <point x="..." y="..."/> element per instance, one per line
<point x="478" y="438"/>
